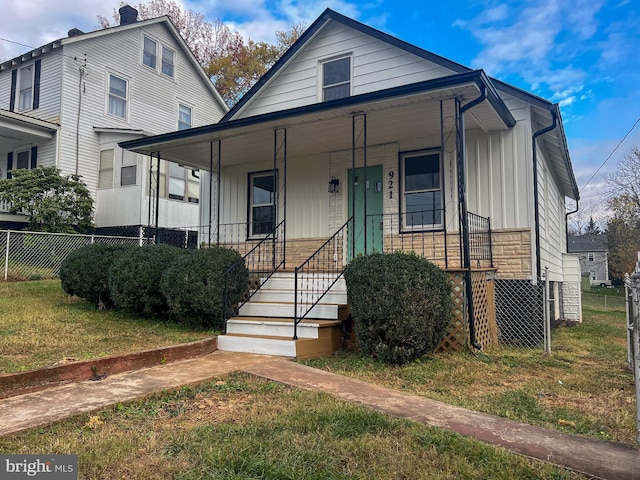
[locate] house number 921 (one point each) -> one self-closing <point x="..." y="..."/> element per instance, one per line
<point x="390" y="183"/>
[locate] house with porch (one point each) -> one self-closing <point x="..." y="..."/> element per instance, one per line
<point x="356" y="141"/>
<point x="70" y="102"/>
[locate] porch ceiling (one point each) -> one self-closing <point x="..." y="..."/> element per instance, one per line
<point x="315" y="130"/>
<point x="17" y="129"/>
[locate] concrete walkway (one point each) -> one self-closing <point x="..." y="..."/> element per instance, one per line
<point x="593" y="457"/>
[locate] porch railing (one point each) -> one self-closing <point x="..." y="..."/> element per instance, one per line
<point x="425" y="234"/>
<point x="262" y="260"/>
<point x="315" y="277"/>
<point x="242" y="236"/>
<point x="481" y="251"/>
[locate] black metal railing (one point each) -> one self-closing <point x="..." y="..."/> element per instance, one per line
<point x="315" y="277"/>
<point x="421" y="232"/>
<point x="242" y="236"/>
<point x="262" y="260"/>
<point x="480" y="248"/>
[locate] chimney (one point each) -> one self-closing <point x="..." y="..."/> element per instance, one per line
<point x="74" y="32"/>
<point x="128" y="15"/>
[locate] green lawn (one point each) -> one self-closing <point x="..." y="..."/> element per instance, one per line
<point x="41" y="325"/>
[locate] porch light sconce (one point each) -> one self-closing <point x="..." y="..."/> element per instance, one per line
<point x="334" y="185"/>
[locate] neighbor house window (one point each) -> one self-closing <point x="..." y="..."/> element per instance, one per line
<point x="118" y="91"/>
<point x="23" y="159"/>
<point x="129" y="168"/>
<point x="262" y="206"/>
<point x="176" y="181"/>
<point x="591" y="257"/>
<point x="25" y="83"/>
<point x="105" y="173"/>
<point x="167" y="61"/>
<point x="149" y="53"/>
<point x="336" y="79"/>
<point x="422" y="190"/>
<point x="184" y="117"/>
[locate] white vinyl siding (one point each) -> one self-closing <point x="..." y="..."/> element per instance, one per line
<point x="375" y="65"/>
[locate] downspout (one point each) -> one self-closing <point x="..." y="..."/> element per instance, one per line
<point x="536" y="203"/>
<point x="462" y="198"/>
<point x="566" y="223"/>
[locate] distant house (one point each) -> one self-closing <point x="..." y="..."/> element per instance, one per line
<point x="356" y="141"/>
<point x="593" y="251"/>
<point x="70" y="102"/>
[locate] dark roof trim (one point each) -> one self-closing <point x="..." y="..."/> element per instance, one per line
<point x="327" y="15"/>
<point x="565" y="151"/>
<point x="477" y="76"/>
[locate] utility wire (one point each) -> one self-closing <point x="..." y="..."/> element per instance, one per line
<point x="611" y="154"/>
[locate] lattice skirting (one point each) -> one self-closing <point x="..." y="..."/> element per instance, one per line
<point x="457" y="337"/>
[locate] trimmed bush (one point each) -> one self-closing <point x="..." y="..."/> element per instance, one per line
<point x="134" y="278"/>
<point x="194" y="285"/>
<point x="85" y="272"/>
<point x="401" y="305"/>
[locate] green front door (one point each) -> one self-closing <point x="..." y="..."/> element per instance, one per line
<point x="366" y="234"/>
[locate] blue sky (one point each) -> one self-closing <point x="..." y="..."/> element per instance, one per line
<point x="582" y="54"/>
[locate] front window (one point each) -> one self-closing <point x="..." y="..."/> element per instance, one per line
<point x="117" y="96"/>
<point x="176" y="181"/>
<point x="262" y="198"/>
<point x="336" y="79"/>
<point x="25" y="101"/>
<point x="422" y="190"/>
<point x="129" y="168"/>
<point x="149" y="53"/>
<point x="184" y="117"/>
<point x="167" y="61"/>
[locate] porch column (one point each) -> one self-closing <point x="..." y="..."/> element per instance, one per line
<point x="215" y="165"/>
<point x="154" y="197"/>
<point x="280" y="192"/>
<point x="358" y="157"/>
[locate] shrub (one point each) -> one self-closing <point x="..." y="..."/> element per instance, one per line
<point x="401" y="305"/>
<point x="134" y="278"/>
<point x="194" y="285"/>
<point x="85" y="272"/>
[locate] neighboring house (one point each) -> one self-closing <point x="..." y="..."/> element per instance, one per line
<point x="593" y="251"/>
<point x="356" y="141"/>
<point x="70" y="102"/>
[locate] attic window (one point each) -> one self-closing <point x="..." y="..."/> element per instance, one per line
<point x="336" y="79"/>
<point x="149" y="53"/>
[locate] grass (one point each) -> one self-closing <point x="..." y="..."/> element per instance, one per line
<point x="41" y="325"/>
<point x="583" y="387"/>
<point x="249" y="428"/>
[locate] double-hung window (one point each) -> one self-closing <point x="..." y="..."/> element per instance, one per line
<point x="105" y="170"/>
<point x="168" y="56"/>
<point x="336" y="79"/>
<point x="422" y="190"/>
<point x="184" y="117"/>
<point x="149" y="53"/>
<point x="129" y="168"/>
<point x="591" y="257"/>
<point x="262" y="203"/>
<point x="118" y="96"/>
<point x="25" y="101"/>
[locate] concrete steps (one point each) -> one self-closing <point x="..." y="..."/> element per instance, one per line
<point x="265" y="324"/>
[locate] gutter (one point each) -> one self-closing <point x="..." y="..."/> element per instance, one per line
<point x="536" y="203"/>
<point x="566" y="227"/>
<point x="462" y="198"/>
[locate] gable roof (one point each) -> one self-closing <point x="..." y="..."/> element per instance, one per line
<point x="588" y="243"/>
<point x="556" y="141"/>
<point x="80" y="37"/>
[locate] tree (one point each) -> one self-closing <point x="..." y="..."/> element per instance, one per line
<point x="580" y="221"/>
<point x="592" y="228"/>
<point x="624" y="203"/>
<point x="53" y="202"/>
<point x="233" y="64"/>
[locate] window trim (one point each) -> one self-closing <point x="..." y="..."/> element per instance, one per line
<point x="126" y="79"/>
<point x="404" y="228"/>
<point x="321" y="85"/>
<point x="591" y="257"/>
<point x="250" y="176"/>
<point x="17" y="151"/>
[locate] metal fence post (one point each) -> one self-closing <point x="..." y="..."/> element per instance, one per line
<point x="547" y="312"/>
<point x="6" y="258"/>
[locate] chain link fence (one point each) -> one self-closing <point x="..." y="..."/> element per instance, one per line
<point x="37" y="255"/>
<point x="520" y="313"/>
